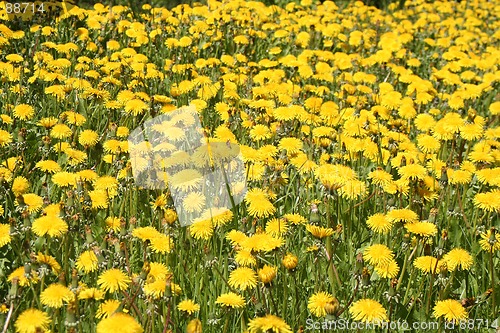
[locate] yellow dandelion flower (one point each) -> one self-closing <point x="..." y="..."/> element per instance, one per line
<point x="243" y="278"/>
<point x="423" y="229"/>
<point x="458" y="259"/>
<point x="231" y="300"/>
<point x="378" y="254"/>
<point x="4" y="234"/>
<point x="60" y="131"/>
<point x="161" y="244"/>
<point x="55" y="295"/>
<point x="319" y="232"/>
<point x="48" y="166"/>
<point x="427" y="264"/>
<point x="290" y="261"/>
<point x="268" y="323"/>
<point x="489" y="201"/>
<point x="490" y="240"/>
<point x="261" y="242"/>
<point x="65" y="179"/>
<point x="119" y="323"/>
<point x="113" y="280"/>
<point x="31" y="321"/>
<point x="244" y="257"/>
<point x="50" y="261"/>
<point x="188" y="306"/>
<point x="402" y="215"/>
<point x="107" y="308"/>
<point x="51" y="225"/>
<point x="450" y="309"/>
<point x="20" y="185"/>
<point x="368" y="311"/>
<point x="267" y="273"/>
<point x="203" y="229"/>
<point x="87" y="261"/>
<point x="5" y="138"/>
<point x="320" y="303"/>
<point x="387" y="270"/>
<point x="379" y="223"/>
<point x="23" y="112"/>
<point x="88" y="138"/>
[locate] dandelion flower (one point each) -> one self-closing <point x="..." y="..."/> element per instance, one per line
<point x="276" y="227"/>
<point x="107" y="308"/>
<point x="51" y="225"/>
<point x="156" y="289"/>
<point x="119" y="323"/>
<point x="50" y="261"/>
<point x="489" y="201"/>
<point x="295" y="218"/>
<point x="261" y="242"/>
<point x="48" y="166"/>
<point x="194" y="202"/>
<point x="4" y="234"/>
<point x="60" y="131"/>
<point x="450" y="309"/>
<point x="135" y="107"/>
<point x="65" y="179"/>
<point x="458" y="259"/>
<point x="402" y="215"/>
<point x="243" y="278"/>
<point x="378" y="254"/>
<point x="186" y="180"/>
<point x="267" y="273"/>
<point x="261" y="207"/>
<point x="32" y="321"/>
<point x="244" y="257"/>
<point x="23" y="112"/>
<point x="379" y="223"/>
<point x="203" y="229"/>
<point x="33" y="201"/>
<point x="380" y="177"/>
<point x="291" y="145"/>
<point x="269" y="323"/>
<point x="319" y="232"/>
<point x="423" y="229"/>
<point x="55" y="295"/>
<point x="490" y="240"/>
<point x="91" y="293"/>
<point x="368" y="311"/>
<point x="88" y="138"/>
<point x="188" y="306"/>
<point x="20" y="185"/>
<point x="113" y="280"/>
<point x="231" y="300"/>
<point x="99" y="198"/>
<point x="260" y="132"/>
<point x="290" y="261"/>
<point x="320" y="303"/>
<point x="161" y="244"/>
<point x="19" y="275"/>
<point x="194" y="326"/>
<point x="5" y="138"/>
<point x="427" y="264"/>
<point x="388" y="270"/>
<point x="87" y="261"/>
<point x="412" y="171"/>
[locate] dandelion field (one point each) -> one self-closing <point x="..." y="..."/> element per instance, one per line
<point x="370" y="142"/>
